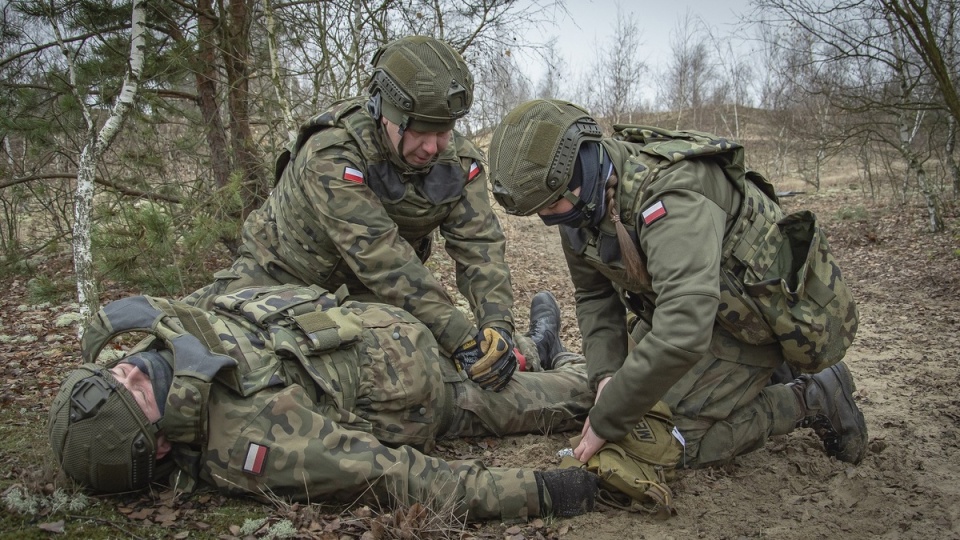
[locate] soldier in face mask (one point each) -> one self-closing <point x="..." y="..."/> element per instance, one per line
<point x="722" y="290"/>
<point x="292" y="392"/>
<point x="364" y="189"/>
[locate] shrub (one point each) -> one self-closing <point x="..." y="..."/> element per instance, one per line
<point x="855" y="213"/>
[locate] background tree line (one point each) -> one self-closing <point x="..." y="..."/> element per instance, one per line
<point x="140" y="134"/>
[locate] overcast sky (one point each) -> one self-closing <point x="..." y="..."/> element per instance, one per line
<point x="591" y="21"/>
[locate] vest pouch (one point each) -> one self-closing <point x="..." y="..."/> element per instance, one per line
<point x="328" y="330"/>
<point x="260" y="305"/>
<point x="310" y="313"/>
<point x="802" y="296"/>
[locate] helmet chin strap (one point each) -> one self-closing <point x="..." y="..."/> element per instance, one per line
<point x="397" y="151"/>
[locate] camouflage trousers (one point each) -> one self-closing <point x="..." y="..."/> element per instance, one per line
<point x="724" y="406"/>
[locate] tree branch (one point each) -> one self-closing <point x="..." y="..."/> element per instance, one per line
<point x="128" y="191"/>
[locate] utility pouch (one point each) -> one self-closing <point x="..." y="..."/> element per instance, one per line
<point x="802" y="296"/>
<point x="638" y="468"/>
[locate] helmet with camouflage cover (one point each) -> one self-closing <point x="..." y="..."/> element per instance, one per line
<point x="533" y="153"/>
<point x="423" y="84"/>
<point x="100" y="435"/>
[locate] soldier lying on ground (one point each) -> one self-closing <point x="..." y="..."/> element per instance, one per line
<point x="289" y="391"/>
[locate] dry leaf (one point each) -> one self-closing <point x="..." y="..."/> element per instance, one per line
<point x="54" y="527"/>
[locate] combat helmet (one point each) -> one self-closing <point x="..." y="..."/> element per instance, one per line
<point x="421" y="83"/>
<point x="533" y="153"/>
<point x="99" y="435"/>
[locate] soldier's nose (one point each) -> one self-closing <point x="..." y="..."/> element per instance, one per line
<point x="430" y="144"/>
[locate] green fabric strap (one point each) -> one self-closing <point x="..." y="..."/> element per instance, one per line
<point x="195" y="322"/>
<point x="321" y="329"/>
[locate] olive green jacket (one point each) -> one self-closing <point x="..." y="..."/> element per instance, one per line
<point x="683" y="249"/>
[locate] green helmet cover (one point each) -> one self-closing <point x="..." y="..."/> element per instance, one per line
<point x="423" y="83"/>
<point x="533" y="153"/>
<point x="100" y="436"/>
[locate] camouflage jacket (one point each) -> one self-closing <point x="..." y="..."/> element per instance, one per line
<point x="683" y="211"/>
<point x="344" y="214"/>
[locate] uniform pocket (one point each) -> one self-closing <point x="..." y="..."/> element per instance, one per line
<point x="401" y="385"/>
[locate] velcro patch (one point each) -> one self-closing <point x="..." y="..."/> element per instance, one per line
<point x="654" y="213"/>
<point x="256" y="459"/>
<point x="474" y="171"/>
<point x="352" y="175"/>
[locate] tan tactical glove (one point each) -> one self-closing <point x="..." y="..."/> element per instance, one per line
<point x="488" y="360"/>
<point x="637" y="468"/>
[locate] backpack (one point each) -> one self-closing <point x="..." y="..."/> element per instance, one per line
<point x="779" y="280"/>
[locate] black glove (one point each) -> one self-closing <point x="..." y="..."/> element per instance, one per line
<point x="572" y="491"/>
<point x="489" y="359"/>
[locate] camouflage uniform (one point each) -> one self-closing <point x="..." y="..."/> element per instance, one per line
<point x="346" y="212"/>
<point x="294" y="392"/>
<point x="715" y="384"/>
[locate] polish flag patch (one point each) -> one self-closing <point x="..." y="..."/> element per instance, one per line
<point x="474" y="171"/>
<point x="256" y="459"/>
<point x="352" y="175"/>
<point x="653" y="213"/>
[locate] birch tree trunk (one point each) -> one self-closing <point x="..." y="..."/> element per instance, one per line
<point x="951" y="159"/>
<point x="288" y="122"/>
<point x="88" y="297"/>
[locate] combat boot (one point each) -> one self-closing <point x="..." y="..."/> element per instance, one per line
<point x="545" y="328"/>
<point x="828" y="408"/>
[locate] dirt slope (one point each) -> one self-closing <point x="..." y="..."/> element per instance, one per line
<point x="905" y="360"/>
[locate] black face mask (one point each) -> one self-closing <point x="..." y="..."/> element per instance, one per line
<point x="590" y="174"/>
<point x="158" y="369"/>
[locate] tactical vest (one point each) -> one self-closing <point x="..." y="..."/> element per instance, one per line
<point x="778" y="280"/>
<point x="417" y="202"/>
<point x="250" y="340"/>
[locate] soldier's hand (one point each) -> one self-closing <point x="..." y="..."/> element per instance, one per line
<point x="488" y="360"/>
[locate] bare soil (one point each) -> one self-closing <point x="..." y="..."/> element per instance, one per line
<point x="905" y="360"/>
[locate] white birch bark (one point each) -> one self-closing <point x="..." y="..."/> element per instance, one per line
<point x="275" y="77"/>
<point x="88" y="297"/>
<point x="951" y="160"/>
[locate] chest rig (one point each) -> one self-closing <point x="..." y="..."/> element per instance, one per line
<point x="653" y="151"/>
<point x="416" y="200"/>
<point x="250" y="340"/>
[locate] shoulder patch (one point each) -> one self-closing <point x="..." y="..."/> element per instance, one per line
<point x="653" y="213"/>
<point x="474" y="171"/>
<point x="352" y="175"/>
<point x="256" y="459"/>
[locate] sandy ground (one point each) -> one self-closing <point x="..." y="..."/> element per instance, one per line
<point x="905" y="362"/>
